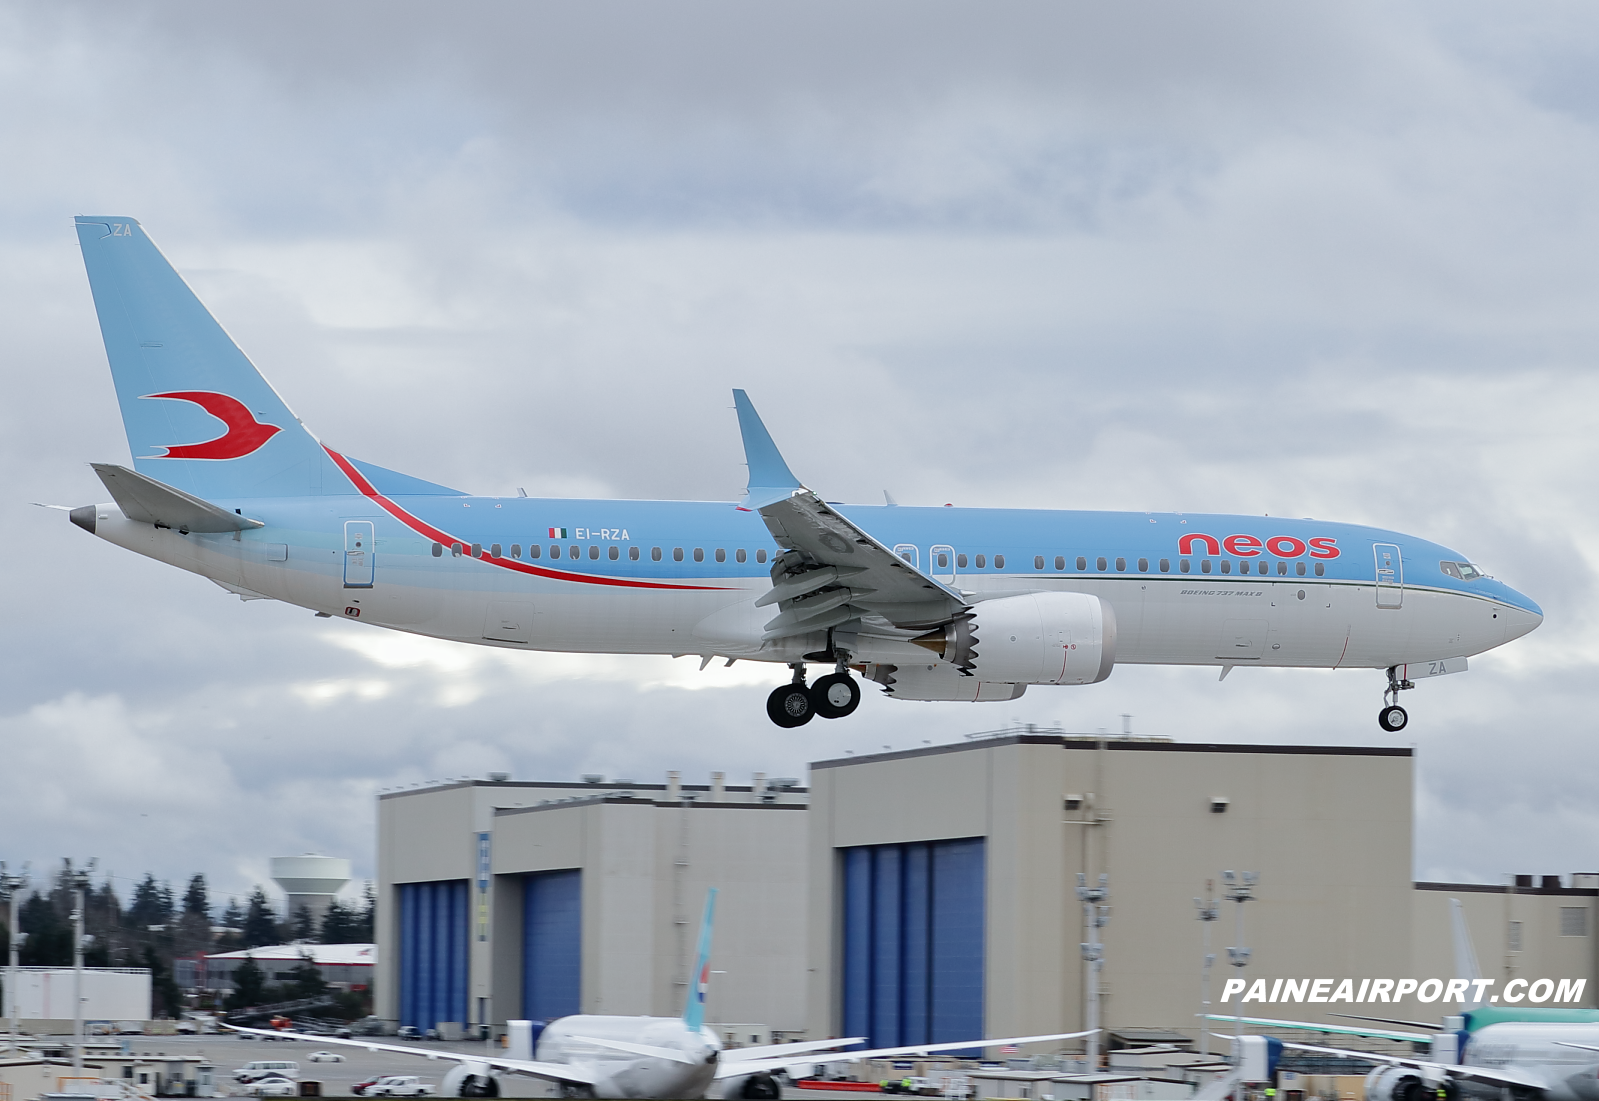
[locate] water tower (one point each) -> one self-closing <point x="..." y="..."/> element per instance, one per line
<point x="310" y="881"/>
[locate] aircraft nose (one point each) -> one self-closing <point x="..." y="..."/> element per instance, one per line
<point x="1522" y="619"/>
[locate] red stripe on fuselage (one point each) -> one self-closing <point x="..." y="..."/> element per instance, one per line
<point x="422" y="527"/>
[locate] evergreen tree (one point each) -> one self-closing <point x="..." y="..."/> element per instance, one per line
<point x="369" y="916"/>
<point x="304" y="924"/>
<point x="248" y="982"/>
<point x="307" y="979"/>
<point x="260" y="922"/>
<point x="233" y="915"/>
<point x="49" y="942"/>
<point x="339" y="924"/>
<point x="196" y="900"/>
<point x="151" y="904"/>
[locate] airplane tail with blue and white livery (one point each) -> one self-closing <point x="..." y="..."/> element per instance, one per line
<point x="930" y="604"/>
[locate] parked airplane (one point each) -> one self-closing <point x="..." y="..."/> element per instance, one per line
<point x="931" y="603"/>
<point x="1490" y="1051"/>
<point x="588" y="1055"/>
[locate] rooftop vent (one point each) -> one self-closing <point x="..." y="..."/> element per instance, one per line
<point x="1218" y="804"/>
<point x="1074" y="801"/>
<point x="499" y="777"/>
<point x="593" y="778"/>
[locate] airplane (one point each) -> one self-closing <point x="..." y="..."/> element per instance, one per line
<point x="929" y="603"/>
<point x="1489" y="1051"/>
<point x="589" y="1055"/>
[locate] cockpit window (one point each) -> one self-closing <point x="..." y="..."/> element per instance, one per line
<point x="1465" y="571"/>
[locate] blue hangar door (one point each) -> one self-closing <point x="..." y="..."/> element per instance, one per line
<point x="552" y="945"/>
<point x="433" y="952"/>
<point x="913" y="942"/>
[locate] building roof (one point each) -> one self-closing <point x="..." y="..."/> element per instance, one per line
<point x="1116" y="743"/>
<point x="345" y="955"/>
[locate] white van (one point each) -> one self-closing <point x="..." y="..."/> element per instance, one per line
<point x="257" y="1069"/>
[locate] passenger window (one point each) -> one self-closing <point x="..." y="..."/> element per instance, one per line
<point x="477" y="550"/>
<point x="1100" y="562"/>
<point x="534" y="550"/>
<point x="699" y="554"/>
<point x="1282" y="569"/>
<point x="1165" y="565"/>
<point x="999" y="561"/>
<point x="574" y="552"/>
<point x="438" y="550"/>
<point x="1082" y="563"/>
<point x="1204" y="565"/>
<point x="516" y="550"/>
<point x="614" y="552"/>
<point x="677" y="554"/>
<point x="760" y="555"/>
<point x="594" y="552"/>
<point x="960" y="561"/>
<point x="655" y="554"/>
<point x="721" y="555"/>
<point x="1060" y="561"/>
<point x="982" y="560"/>
<point x="555" y="551"/>
<point x="738" y="555"/>
<point x="1226" y="565"/>
<point x="943" y="560"/>
<point x="1121" y="565"/>
<point x="1143" y="565"/>
<point x="1038" y="561"/>
<point x="1299" y="568"/>
<point x="1262" y="568"/>
<point x="632" y="554"/>
<point x="494" y="550"/>
<point x="1182" y="565"/>
<point x="1321" y="569"/>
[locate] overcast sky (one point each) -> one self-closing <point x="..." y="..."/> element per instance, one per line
<point x="1316" y="260"/>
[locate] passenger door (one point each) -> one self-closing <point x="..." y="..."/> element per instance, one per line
<point x="941" y="564"/>
<point x="359" y="536"/>
<point x="907" y="551"/>
<point x="1390" y="575"/>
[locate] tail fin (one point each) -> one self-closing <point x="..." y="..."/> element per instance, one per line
<point x="694" y="1011"/>
<point x="180" y="377"/>
<point x="1465" y="955"/>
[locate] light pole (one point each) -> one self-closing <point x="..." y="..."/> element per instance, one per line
<point x="1240" y="889"/>
<point x="1095" y="915"/>
<point x="12" y="887"/>
<point x="80" y="885"/>
<point x="1209" y="910"/>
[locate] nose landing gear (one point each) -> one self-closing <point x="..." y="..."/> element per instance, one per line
<point x="1392" y="717"/>
<point x="832" y="697"/>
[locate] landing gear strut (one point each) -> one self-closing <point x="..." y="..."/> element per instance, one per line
<point x="1392" y="717"/>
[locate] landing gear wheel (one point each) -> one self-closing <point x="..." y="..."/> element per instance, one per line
<point x="791" y="705"/>
<point x="835" y="695"/>
<point x="1393" y="718"/>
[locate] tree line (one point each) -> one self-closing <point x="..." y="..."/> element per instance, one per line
<point x="157" y="926"/>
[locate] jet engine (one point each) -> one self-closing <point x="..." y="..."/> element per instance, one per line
<point x="1402" y="1084"/>
<point x="470" y="1080"/>
<point x="1034" y="638"/>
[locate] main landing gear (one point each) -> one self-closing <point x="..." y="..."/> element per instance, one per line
<point x="832" y="697"/>
<point x="1392" y="717"/>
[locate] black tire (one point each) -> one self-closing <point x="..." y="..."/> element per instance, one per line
<point x="790" y="705"/>
<point x="1393" y="718"/>
<point x="760" y="1086"/>
<point x="835" y="695"/>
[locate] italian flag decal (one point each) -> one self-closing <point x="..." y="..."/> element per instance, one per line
<point x="557" y="533"/>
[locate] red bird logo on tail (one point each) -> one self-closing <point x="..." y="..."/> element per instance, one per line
<point x="244" y="436"/>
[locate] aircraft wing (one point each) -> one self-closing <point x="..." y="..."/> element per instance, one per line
<point x="835" y="571"/>
<point x="1342" y="1030"/>
<point x="1491" y="1076"/>
<point x="730" y="1068"/>
<point x="554" y="1072"/>
<point x="767" y="1051"/>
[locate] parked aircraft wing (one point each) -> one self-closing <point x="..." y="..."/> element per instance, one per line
<point x="728" y="1070"/>
<point x="554" y="1072"/>
<point x="1342" y="1030"/>
<point x="1492" y="1076"/>
<point x="148" y="501"/>
<point x="767" y="1051"/>
<point x="833" y="571"/>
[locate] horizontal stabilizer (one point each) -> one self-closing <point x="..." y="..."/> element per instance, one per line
<point x="148" y="501"/>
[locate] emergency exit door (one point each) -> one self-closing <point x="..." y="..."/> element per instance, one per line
<point x="1390" y="575"/>
<point x="358" y="538"/>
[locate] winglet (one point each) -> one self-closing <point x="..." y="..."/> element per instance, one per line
<point x="1465" y="955"/>
<point x="770" y="478"/>
<point x="694" y="1010"/>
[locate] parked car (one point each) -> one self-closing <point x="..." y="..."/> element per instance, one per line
<point x="257" y="1069"/>
<point x="400" y="1085"/>
<point x="359" y="1088"/>
<point x="325" y="1057"/>
<point x="275" y="1087"/>
<point x="409" y="1032"/>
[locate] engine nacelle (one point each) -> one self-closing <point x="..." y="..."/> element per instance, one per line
<point x="1398" y="1084"/>
<point x="1034" y="638"/>
<point x="470" y="1080"/>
